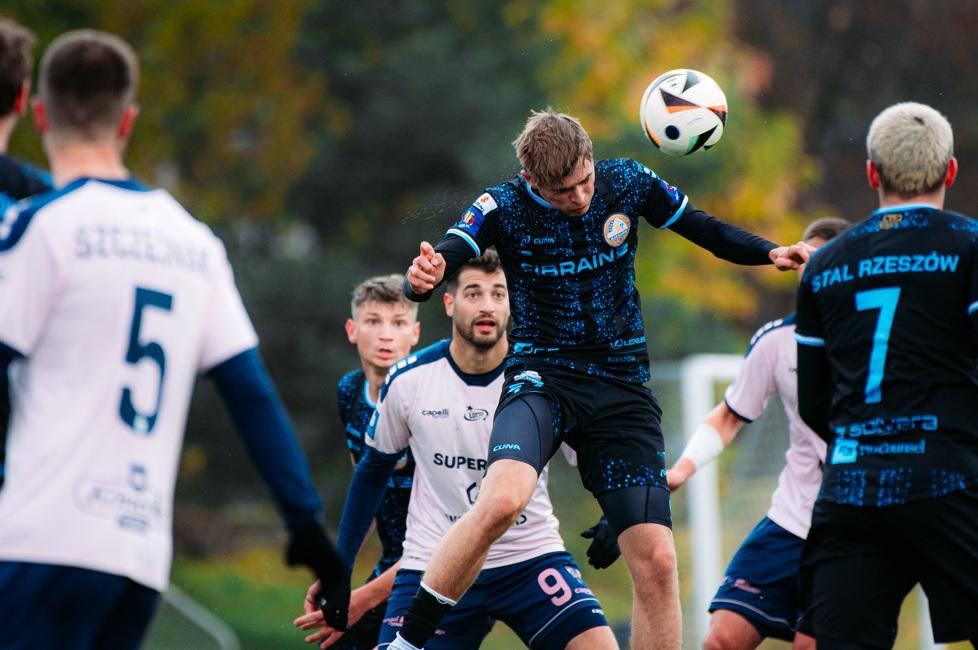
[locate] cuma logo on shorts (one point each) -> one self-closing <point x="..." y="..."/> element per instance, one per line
<point x="531" y="376"/>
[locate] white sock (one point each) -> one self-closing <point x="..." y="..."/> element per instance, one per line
<point x="400" y="644"/>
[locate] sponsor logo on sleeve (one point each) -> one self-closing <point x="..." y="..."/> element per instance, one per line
<point x="485" y="203"/>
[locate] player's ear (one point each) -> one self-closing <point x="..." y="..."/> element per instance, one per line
<point x="528" y="178"/>
<point x="449" y="301"/>
<point x="415" y="333"/>
<point x="128" y="121"/>
<point x="22" y="97"/>
<point x="40" y="116"/>
<point x="952" y="172"/>
<point x="351" y="331"/>
<point x="872" y="175"/>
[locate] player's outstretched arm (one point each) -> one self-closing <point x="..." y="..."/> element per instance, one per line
<point x="724" y="240"/>
<point x="433" y="265"/>
<point x="363" y="498"/>
<point x="718" y="430"/>
<point x="260" y="419"/>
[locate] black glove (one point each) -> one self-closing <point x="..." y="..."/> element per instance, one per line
<point x="311" y="546"/>
<point x="604" y="550"/>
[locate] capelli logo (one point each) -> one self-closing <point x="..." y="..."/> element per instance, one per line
<point x="440" y="413"/>
<point x="476" y="415"/>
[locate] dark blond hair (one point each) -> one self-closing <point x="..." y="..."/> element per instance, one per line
<point x="385" y="289"/>
<point x="16" y="62"/>
<point x="911" y="146"/>
<point x="551" y="146"/>
<point x="88" y="79"/>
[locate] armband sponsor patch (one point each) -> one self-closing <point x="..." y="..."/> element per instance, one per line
<point x="485" y="203"/>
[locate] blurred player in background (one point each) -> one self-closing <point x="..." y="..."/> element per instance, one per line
<point x="384" y="327"/>
<point x="439" y="402"/>
<point x="18" y="180"/>
<point x="566" y="229"/>
<point x="887" y="323"/>
<point x="114" y="298"/>
<point x="758" y="597"/>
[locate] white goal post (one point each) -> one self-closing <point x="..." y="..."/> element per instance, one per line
<point x="698" y="378"/>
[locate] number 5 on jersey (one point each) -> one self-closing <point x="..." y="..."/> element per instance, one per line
<point x="143" y="423"/>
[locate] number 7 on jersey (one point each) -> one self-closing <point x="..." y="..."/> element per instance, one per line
<point x="886" y="301"/>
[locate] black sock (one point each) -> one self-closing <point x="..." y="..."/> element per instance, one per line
<point x="423" y="616"/>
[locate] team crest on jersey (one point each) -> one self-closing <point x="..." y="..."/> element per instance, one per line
<point x="891" y="220"/>
<point x="485" y="203"/>
<point x="616" y="229"/>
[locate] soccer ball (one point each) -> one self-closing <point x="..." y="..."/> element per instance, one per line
<point x="683" y="111"/>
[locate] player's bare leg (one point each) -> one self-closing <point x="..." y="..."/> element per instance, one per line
<point x="503" y="496"/>
<point x="804" y="642"/>
<point x="597" y="638"/>
<point x="656" y="614"/>
<point x="731" y="631"/>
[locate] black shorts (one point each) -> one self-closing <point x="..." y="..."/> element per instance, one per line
<point x="614" y="427"/>
<point x="859" y="563"/>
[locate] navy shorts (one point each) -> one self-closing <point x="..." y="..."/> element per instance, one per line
<point x="761" y="581"/>
<point x="614" y="427"/>
<point x="544" y="600"/>
<point x="49" y="606"/>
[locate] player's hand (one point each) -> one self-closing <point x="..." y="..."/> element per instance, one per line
<point x="426" y="270"/>
<point x="361" y="601"/>
<point x="603" y="550"/>
<point x="678" y="474"/>
<point x="310" y="546"/>
<point x="790" y="258"/>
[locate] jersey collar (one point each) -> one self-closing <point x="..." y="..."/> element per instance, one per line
<point x="904" y="207"/>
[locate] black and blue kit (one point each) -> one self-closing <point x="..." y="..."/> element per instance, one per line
<point x="888" y="343"/>
<point x="578" y="360"/>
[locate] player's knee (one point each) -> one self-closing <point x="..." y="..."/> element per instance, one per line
<point x="498" y="511"/>
<point x="655" y="570"/>
<point x="719" y="639"/>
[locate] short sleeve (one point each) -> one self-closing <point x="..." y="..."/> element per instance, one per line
<point x="227" y="329"/>
<point x="477" y="224"/>
<point x="664" y="203"/>
<point x="747" y="395"/>
<point x="29" y="282"/>
<point x="808" y="330"/>
<point x="388" y="431"/>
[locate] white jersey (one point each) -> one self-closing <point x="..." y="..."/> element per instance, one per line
<point x="771" y="365"/>
<point x="116" y="298"/>
<point x="446" y="416"/>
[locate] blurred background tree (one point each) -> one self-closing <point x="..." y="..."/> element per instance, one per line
<point x="323" y="139"/>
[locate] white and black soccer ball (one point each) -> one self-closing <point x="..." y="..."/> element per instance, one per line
<point x="683" y="111"/>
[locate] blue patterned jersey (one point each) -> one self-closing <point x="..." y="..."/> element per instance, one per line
<point x="356" y="409"/>
<point x="572" y="279"/>
<point x="891" y="308"/>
